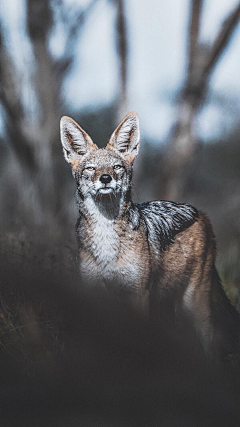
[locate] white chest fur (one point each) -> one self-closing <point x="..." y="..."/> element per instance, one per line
<point x="109" y="253"/>
<point x="104" y="241"/>
<point x="101" y="242"/>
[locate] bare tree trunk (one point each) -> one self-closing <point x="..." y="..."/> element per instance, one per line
<point x="36" y="144"/>
<point x="10" y="97"/>
<point x="48" y="85"/>
<point x="201" y="62"/>
<point x="122" y="49"/>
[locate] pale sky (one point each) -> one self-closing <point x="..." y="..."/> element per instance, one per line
<point x="157" y="39"/>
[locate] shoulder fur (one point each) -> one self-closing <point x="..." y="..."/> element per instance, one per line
<point x="163" y="220"/>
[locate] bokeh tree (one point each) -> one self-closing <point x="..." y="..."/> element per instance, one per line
<point x="33" y="139"/>
<point x="39" y="183"/>
<point x="122" y="50"/>
<point x="202" y="60"/>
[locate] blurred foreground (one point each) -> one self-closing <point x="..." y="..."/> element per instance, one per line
<point x="69" y="357"/>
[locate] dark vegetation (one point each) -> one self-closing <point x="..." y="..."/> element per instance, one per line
<point x="73" y="358"/>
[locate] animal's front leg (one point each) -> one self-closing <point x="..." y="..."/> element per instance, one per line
<point x="198" y="306"/>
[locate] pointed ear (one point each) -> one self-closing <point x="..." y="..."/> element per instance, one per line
<point x="75" y="141"/>
<point x="125" y="138"/>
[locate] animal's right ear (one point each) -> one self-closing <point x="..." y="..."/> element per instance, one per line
<point x="75" y="141"/>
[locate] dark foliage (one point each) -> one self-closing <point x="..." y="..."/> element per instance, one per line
<point x="71" y="357"/>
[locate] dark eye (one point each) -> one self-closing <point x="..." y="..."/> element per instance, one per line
<point x="117" y="167"/>
<point x="90" y="168"/>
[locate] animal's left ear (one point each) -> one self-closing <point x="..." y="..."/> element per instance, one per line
<point x="125" y="138"/>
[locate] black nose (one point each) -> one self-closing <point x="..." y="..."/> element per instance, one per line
<point x="105" y="178"/>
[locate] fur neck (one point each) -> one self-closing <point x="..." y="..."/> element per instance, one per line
<point x="109" y="206"/>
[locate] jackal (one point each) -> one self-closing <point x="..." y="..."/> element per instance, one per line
<point x="157" y="250"/>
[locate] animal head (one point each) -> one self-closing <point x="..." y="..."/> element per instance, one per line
<point x="105" y="171"/>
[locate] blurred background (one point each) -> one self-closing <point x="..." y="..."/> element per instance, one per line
<point x="176" y="63"/>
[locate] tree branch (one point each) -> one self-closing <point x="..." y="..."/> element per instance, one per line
<point x="194" y="25"/>
<point x="221" y="41"/>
